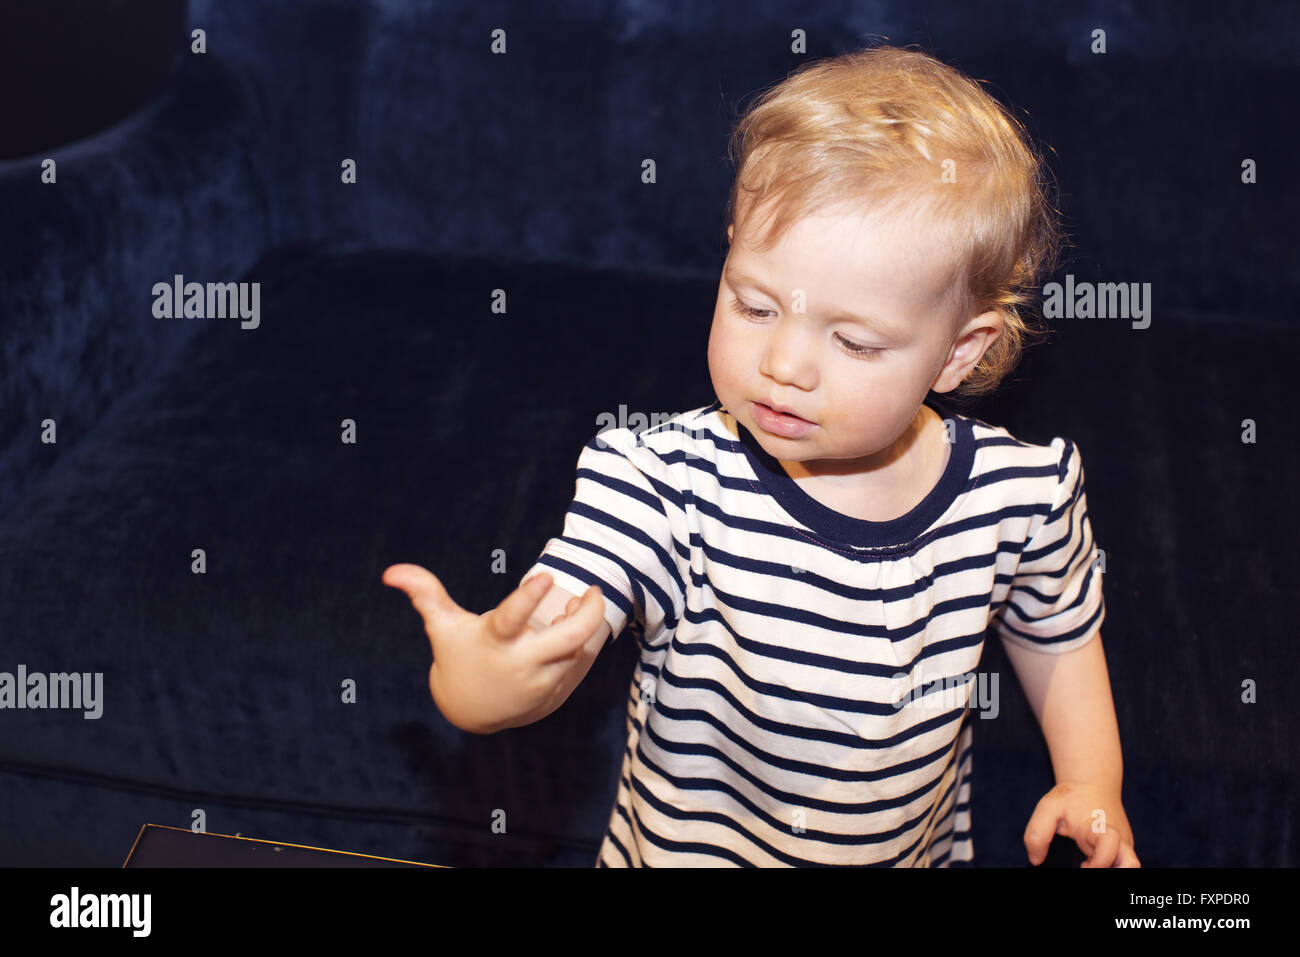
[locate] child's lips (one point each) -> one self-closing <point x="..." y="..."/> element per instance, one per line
<point x="781" y="423"/>
<point x="782" y="410"/>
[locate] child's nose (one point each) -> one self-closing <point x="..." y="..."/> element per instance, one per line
<point x="790" y="355"/>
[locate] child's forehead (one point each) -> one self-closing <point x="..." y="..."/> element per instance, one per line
<point x="894" y="219"/>
<point x="840" y="247"/>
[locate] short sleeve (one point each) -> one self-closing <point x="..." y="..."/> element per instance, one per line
<point x="1055" y="602"/>
<point x="617" y="534"/>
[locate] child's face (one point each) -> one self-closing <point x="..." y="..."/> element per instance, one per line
<point x="889" y="269"/>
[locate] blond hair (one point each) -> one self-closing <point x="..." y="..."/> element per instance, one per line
<point x="881" y="125"/>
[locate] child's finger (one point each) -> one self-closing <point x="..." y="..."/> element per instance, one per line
<point x="508" y="619"/>
<point x="1043" y="825"/>
<point x="1105" y="849"/>
<point x="570" y="607"/>
<point x="563" y="639"/>
<point x="1127" y="856"/>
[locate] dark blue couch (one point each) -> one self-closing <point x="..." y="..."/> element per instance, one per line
<point x="522" y="172"/>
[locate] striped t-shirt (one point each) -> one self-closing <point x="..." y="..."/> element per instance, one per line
<point x="806" y="680"/>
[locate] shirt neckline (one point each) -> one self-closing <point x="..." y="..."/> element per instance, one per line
<point x="848" y="530"/>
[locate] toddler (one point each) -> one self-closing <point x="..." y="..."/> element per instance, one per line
<point x="810" y="563"/>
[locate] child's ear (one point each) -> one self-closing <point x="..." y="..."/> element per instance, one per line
<point x="729" y="229"/>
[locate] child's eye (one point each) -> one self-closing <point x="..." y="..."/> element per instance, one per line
<point x="858" y="349"/>
<point x="854" y="347"/>
<point x="745" y="310"/>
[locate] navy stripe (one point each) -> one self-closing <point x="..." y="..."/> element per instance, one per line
<point x="1064" y="637"/>
<point x="715" y="817"/>
<point x="795" y="767"/>
<point x="1050" y="601"/>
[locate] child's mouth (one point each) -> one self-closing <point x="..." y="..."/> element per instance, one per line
<point x="779" y="423"/>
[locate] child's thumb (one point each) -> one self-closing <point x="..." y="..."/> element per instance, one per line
<point x="422" y="587"/>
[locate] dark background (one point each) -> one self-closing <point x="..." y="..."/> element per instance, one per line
<point x="522" y="172"/>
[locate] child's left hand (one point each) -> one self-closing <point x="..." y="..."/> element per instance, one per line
<point x="1092" y="815"/>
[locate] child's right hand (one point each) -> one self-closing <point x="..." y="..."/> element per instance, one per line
<point x="491" y="669"/>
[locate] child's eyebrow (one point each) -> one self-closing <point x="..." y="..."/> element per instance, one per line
<point x="734" y="277"/>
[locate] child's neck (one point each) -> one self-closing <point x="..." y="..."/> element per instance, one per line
<point x="910" y="472"/>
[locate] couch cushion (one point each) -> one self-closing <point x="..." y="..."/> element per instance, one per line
<point x="222" y="690"/>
